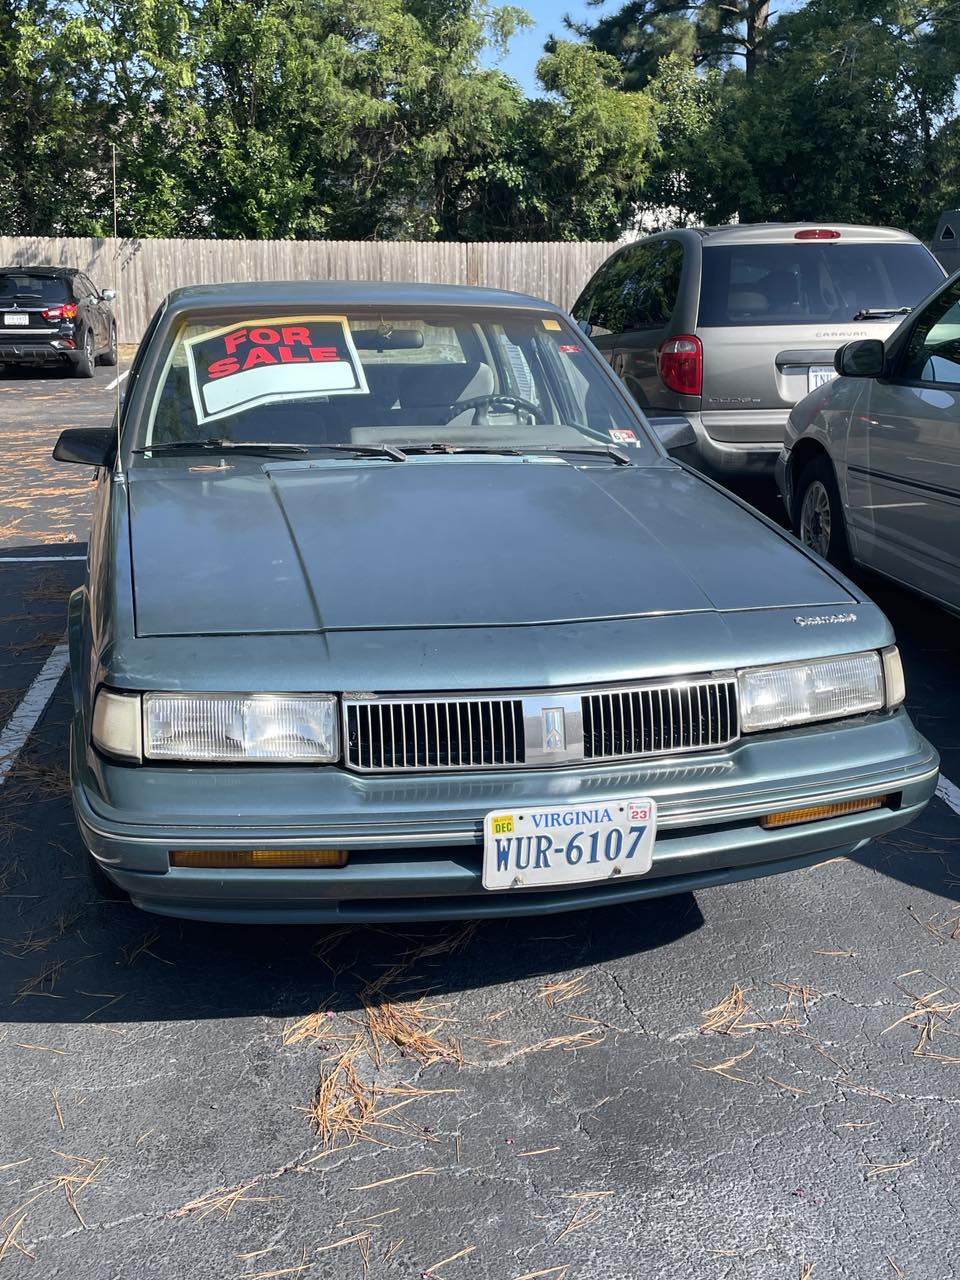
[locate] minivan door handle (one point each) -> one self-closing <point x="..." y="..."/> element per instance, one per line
<point x="618" y="363"/>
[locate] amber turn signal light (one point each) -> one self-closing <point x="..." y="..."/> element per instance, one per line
<point x="817" y="812"/>
<point x="245" y="859"/>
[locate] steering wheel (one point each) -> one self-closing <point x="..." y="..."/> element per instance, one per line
<point x="500" y="398"/>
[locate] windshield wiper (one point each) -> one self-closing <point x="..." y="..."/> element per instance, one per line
<point x="878" y="313"/>
<point x="268" y="446"/>
<point x="442" y="447"/>
<point x="519" y="451"/>
<point x="367" y="450"/>
<point x="607" y="450"/>
<point x="221" y="446"/>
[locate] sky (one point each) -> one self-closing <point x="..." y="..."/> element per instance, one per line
<point x="526" y="48"/>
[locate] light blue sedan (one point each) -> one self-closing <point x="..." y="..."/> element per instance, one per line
<point x="396" y="608"/>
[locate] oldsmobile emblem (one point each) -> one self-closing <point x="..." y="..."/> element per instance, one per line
<point x="554" y="729"/>
<point x="823" y="619"/>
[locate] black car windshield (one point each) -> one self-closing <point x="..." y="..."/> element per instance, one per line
<point x="812" y="282"/>
<point x="418" y="380"/>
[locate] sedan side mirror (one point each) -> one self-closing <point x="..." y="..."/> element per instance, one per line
<point x="863" y="359"/>
<point x="585" y="326"/>
<point x="674" y="433"/>
<point x="90" y="446"/>
<point x="108" y="295"/>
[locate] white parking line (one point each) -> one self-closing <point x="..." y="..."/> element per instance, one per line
<point x="35" y="559"/>
<point x="21" y="724"/>
<point x="948" y="793"/>
<point x="116" y="381"/>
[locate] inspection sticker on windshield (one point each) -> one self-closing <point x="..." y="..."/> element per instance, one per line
<point x="568" y="844"/>
<point x="623" y="435"/>
<point x="269" y="361"/>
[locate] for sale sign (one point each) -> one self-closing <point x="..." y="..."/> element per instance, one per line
<point x="269" y="361"/>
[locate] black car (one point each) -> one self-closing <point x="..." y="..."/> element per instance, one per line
<point x="52" y="315"/>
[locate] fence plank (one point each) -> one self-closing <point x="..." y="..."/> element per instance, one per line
<point x="144" y="271"/>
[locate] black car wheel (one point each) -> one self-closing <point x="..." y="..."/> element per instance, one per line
<point x="819" y="521"/>
<point x="110" y="355"/>
<point x="84" y="365"/>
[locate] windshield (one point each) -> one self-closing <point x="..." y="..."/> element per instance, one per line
<point x="811" y="282"/>
<point x="458" y="378"/>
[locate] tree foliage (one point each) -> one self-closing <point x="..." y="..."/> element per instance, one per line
<point x="299" y="118"/>
<point x="389" y="118"/>
<point x="848" y="113"/>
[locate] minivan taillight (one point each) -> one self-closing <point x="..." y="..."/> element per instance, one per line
<point x="680" y="364"/>
<point x="64" y="311"/>
<point x="816" y="233"/>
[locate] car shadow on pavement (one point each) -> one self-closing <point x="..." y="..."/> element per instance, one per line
<point x="68" y="957"/>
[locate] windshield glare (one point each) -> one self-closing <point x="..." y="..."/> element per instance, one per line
<point x="506" y="379"/>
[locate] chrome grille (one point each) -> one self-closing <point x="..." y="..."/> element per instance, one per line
<point x="467" y="733"/>
<point x="660" y="719"/>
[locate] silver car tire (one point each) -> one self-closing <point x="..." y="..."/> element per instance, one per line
<point x="820" y="523"/>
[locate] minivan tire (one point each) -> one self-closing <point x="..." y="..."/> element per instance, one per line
<point x="818" y="519"/>
<point x="83" y="366"/>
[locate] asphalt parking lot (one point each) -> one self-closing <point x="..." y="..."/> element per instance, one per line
<point x="756" y="1082"/>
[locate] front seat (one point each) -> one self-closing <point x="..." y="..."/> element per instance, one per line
<point x="427" y="391"/>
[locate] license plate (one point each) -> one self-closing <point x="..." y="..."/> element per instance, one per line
<point x="818" y="374"/>
<point x="568" y="844"/>
<point x="16" y="317"/>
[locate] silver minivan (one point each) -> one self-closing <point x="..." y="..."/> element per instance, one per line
<point x="731" y="326"/>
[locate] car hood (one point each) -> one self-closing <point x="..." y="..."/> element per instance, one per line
<point x="447" y="542"/>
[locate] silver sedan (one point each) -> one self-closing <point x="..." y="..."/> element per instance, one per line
<point x="870" y="468"/>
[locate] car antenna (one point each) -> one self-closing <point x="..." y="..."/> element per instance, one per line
<point x="116" y="276"/>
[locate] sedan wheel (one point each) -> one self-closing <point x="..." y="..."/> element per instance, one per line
<point x="815" y="521"/>
<point x="819" y="520"/>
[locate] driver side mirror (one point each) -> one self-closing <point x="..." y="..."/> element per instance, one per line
<point x="863" y="359"/>
<point x="108" y="295"/>
<point x="90" y="446"/>
<point x="585" y="327"/>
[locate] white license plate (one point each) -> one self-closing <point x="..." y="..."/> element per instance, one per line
<point x="818" y="374"/>
<point x="16" y="317"/>
<point x="568" y="843"/>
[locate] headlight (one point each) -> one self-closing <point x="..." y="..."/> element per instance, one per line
<point x="797" y="692"/>
<point x="283" y="728"/>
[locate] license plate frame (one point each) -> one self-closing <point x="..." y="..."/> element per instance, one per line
<point x="550" y="846"/>
<point x="15" y="318"/>
<point x="818" y="375"/>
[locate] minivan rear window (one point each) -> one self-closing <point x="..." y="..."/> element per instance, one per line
<point x="30" y="289"/>
<point x="811" y="282"/>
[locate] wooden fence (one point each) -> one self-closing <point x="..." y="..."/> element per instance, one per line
<point x="143" y="271"/>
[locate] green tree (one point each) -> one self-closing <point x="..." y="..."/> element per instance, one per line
<point x="843" y="120"/>
<point x="709" y="33"/>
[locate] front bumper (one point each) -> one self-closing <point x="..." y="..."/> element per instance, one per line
<point x="415" y="840"/>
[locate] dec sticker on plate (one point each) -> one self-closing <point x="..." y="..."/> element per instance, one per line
<point x="269" y="361"/>
<point x="623" y="435"/>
